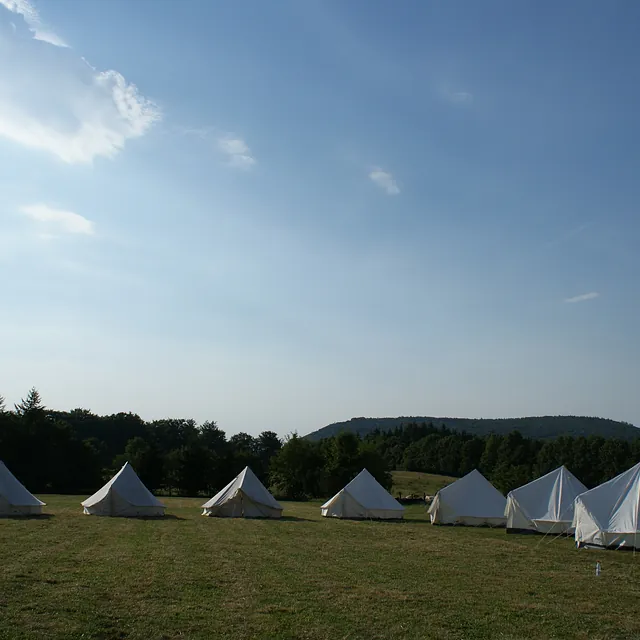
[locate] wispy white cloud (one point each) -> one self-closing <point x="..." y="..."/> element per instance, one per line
<point x="66" y="221"/>
<point x="572" y="233"/>
<point x="583" y="297"/>
<point x="461" y="96"/>
<point x="385" y="181"/>
<point x="457" y="97"/>
<point x="78" y="118"/>
<point x="32" y="19"/>
<point x="199" y="132"/>
<point x="54" y="101"/>
<point x="237" y="151"/>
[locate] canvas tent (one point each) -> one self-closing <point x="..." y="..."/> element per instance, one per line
<point x="544" y="505"/>
<point x="472" y="500"/>
<point x="125" y="496"/>
<point x="244" y="497"/>
<point x="15" y="499"/>
<point x="364" y="497"/>
<point x="607" y="516"/>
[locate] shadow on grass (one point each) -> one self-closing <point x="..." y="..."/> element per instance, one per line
<point x="280" y="519"/>
<point x="29" y="516"/>
<point x="373" y="520"/>
<point x="418" y="521"/>
<point x="167" y="516"/>
<point x="456" y="525"/>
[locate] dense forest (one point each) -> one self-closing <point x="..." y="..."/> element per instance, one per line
<point x="508" y="460"/>
<point x="76" y="451"/>
<point x="539" y="427"/>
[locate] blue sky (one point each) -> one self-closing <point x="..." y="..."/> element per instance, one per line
<point x="281" y="214"/>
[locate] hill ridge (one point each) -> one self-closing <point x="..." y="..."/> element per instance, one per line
<point x="541" y="427"/>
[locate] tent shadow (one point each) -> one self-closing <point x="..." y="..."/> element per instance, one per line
<point x="417" y="521"/>
<point x="450" y="525"/>
<point x="374" y="520"/>
<point x="280" y="519"/>
<point x="29" y="516"/>
<point x="456" y="525"/>
<point x="166" y="516"/>
<point x="515" y="533"/>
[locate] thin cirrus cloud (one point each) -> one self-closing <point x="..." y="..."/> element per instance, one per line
<point x="32" y="19"/>
<point x="58" y="220"/>
<point x="237" y="152"/>
<point x="233" y="148"/>
<point x="571" y="233"/>
<point x="385" y="181"/>
<point x="54" y="101"/>
<point x="583" y="297"/>
<point x="457" y="97"/>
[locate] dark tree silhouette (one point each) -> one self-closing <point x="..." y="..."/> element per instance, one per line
<point x="75" y="451"/>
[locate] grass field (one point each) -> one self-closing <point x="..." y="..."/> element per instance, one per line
<point x="412" y="482"/>
<point x="186" y="576"/>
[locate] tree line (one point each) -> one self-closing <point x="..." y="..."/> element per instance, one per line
<point x="509" y="460"/>
<point x="76" y="451"/>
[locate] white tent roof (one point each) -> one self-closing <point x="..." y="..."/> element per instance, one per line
<point x="549" y="498"/>
<point x="611" y="509"/>
<point x="472" y="496"/>
<point x="129" y="487"/>
<point x="370" y="494"/>
<point x="14" y="492"/>
<point x="248" y="482"/>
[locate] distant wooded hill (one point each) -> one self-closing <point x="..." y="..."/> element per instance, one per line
<point x="542" y="427"/>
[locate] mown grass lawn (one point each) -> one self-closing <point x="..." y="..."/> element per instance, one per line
<point x="412" y="483"/>
<point x="76" y="576"/>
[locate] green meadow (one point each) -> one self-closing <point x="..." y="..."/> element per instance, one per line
<point x="186" y="576"/>
<point x="415" y="483"/>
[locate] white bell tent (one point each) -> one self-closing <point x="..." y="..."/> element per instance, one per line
<point x="607" y="516"/>
<point x="544" y="505"/>
<point x="125" y="496"/>
<point x="244" y="497"/>
<point x="15" y="499"/>
<point x="472" y="500"/>
<point x="363" y="498"/>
